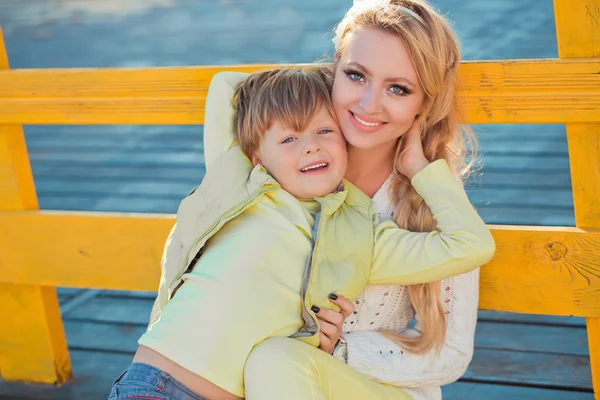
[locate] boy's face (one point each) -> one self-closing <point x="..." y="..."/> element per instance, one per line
<point x="306" y="164"/>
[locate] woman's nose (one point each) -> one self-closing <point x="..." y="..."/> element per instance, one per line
<point x="370" y="102"/>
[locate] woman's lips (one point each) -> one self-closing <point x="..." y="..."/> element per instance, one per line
<point x="364" y="124"/>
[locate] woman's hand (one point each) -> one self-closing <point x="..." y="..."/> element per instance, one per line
<point x="412" y="158"/>
<point x="331" y="322"/>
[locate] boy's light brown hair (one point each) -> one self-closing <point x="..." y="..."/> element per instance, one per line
<point x="289" y="96"/>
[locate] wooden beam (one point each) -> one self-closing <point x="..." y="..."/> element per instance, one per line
<point x="535" y="270"/>
<point x="33" y="346"/>
<point x="521" y="91"/>
<point x="578" y="35"/>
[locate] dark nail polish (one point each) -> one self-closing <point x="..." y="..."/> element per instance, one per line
<point x="333" y="296"/>
<point x="315" y="309"/>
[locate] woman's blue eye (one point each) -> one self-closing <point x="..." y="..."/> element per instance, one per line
<point x="354" y="76"/>
<point x="288" y="140"/>
<point x="399" y="90"/>
<point x="324" y="131"/>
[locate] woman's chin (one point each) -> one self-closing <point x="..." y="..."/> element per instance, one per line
<point x="361" y="140"/>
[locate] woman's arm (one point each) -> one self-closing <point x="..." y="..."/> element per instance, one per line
<point x="462" y="242"/>
<point x="218" y="115"/>
<point x="376" y="356"/>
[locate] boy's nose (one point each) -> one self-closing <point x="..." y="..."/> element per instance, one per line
<point x="312" y="149"/>
<point x="312" y="146"/>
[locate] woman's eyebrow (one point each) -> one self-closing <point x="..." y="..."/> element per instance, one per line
<point x="367" y="72"/>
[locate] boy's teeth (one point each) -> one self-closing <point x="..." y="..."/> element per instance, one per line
<point x="314" y="167"/>
<point x="365" y="122"/>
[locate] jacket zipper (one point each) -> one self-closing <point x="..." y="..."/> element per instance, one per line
<point x="310" y="327"/>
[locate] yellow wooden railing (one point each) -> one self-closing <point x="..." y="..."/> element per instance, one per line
<point x="542" y="270"/>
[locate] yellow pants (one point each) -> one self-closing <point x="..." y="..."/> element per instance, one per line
<point x="283" y="368"/>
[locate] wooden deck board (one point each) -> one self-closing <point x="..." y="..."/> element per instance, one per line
<point x="102" y="333"/>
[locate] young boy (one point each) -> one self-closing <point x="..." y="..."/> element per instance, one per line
<point x="271" y="231"/>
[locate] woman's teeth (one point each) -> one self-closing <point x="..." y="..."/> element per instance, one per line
<point x="316" y="166"/>
<point x="365" y="123"/>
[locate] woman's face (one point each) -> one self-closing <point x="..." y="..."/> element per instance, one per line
<point x="376" y="93"/>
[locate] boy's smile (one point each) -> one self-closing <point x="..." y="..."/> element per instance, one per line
<point x="307" y="164"/>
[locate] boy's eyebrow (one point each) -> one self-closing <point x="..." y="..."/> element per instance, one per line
<point x="366" y="71"/>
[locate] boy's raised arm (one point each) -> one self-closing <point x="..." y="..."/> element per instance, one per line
<point x="462" y="242"/>
<point x="218" y="115"/>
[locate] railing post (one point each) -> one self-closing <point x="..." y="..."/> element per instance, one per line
<point x="33" y="347"/>
<point x="578" y="35"/>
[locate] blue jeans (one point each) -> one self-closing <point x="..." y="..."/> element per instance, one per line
<point x="144" y="382"/>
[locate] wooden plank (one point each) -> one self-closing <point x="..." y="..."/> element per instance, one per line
<point x="94" y="373"/>
<point x="135" y="252"/>
<point x="521" y="197"/>
<point x="528" y="319"/>
<point x="561" y="258"/>
<point x="522" y="91"/>
<point x="32" y="344"/>
<point x="475" y="390"/>
<point x="578" y="35"/>
<point x="593" y="329"/>
<point x="584" y="150"/>
<point x="33" y="347"/>
<point x="178" y="190"/>
<point x="95" y="329"/>
<point x="527" y="368"/>
<point x="64" y="294"/>
<point x="532" y="338"/>
<point x="134" y="311"/>
<point x="577" y="28"/>
<point x="509" y="215"/>
<point x="536" y="270"/>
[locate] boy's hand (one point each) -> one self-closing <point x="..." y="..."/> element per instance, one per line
<point x="331" y="322"/>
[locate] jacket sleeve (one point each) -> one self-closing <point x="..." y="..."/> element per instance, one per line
<point x="376" y="356"/>
<point x="218" y="115"/>
<point x="462" y="242"/>
<point x="172" y="255"/>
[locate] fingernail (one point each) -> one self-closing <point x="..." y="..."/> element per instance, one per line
<point x="315" y="309"/>
<point x="333" y="296"/>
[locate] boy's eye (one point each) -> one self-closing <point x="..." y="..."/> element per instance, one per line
<point x="288" y="140"/>
<point x="354" y="75"/>
<point x="324" y="131"/>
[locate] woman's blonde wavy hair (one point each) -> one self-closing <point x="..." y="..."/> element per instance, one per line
<point x="435" y="52"/>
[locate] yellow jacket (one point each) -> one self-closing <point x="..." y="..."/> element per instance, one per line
<point x="303" y="256"/>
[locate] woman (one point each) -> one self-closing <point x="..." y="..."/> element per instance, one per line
<point x="396" y="64"/>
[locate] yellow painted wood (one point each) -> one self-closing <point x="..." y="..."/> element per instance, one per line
<point x="30" y="349"/>
<point x="537" y="270"/>
<point x="32" y="340"/>
<point x="593" y="331"/>
<point x="88" y="250"/>
<point x="524" y="91"/>
<point x="578" y="35"/>
<point x="584" y="158"/>
<point x="577" y="28"/>
<point x="543" y="270"/>
<point x="16" y="181"/>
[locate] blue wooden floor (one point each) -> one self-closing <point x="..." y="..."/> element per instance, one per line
<point x="524" y="178"/>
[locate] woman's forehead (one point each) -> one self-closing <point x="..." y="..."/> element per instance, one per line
<point x="381" y="53"/>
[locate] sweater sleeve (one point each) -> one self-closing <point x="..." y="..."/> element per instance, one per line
<point x="218" y="115"/>
<point x="462" y="242"/>
<point x="376" y="356"/>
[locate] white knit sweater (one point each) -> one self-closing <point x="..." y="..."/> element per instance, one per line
<point x="389" y="308"/>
